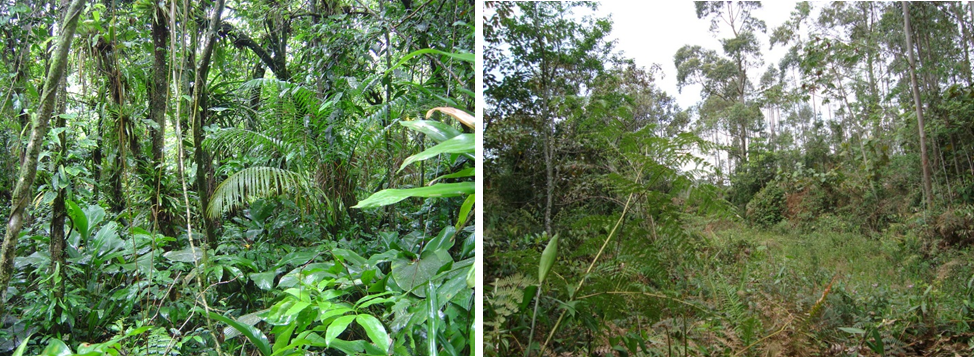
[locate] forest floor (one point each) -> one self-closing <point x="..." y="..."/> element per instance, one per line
<point x="824" y="291"/>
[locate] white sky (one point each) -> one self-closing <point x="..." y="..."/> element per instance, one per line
<point x="651" y="32"/>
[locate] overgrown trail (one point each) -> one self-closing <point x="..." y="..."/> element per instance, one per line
<point x="828" y="292"/>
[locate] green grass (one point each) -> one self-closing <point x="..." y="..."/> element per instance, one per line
<point x="728" y="289"/>
<point x="915" y="294"/>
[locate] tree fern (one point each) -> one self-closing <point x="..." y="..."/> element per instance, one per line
<point x="255" y="182"/>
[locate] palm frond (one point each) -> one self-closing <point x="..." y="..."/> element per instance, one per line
<point x="228" y="140"/>
<point x="253" y="182"/>
<point x="301" y="95"/>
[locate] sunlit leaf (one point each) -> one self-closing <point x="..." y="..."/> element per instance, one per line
<point x="435" y="130"/>
<point x="56" y="347"/>
<point x="337" y="327"/>
<point x="377" y="333"/>
<point x="393" y="195"/>
<point x="187" y="255"/>
<point x="457" y="114"/>
<point x="460" y="144"/>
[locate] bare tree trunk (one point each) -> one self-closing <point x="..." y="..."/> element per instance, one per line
<point x="158" y="98"/>
<point x="21" y="195"/>
<point x="927" y="187"/>
<point x="549" y="174"/>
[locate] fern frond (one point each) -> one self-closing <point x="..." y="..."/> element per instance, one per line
<point x="254" y="182"/>
<point x="247" y="141"/>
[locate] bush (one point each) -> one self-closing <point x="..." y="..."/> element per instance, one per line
<point x="767" y="207"/>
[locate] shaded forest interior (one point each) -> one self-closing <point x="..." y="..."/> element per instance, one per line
<point x="237" y="177"/>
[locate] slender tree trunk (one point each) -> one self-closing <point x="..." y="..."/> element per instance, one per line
<point x="158" y="98"/>
<point x="204" y="168"/>
<point x="966" y="33"/>
<point x="927" y="186"/>
<point x="59" y="213"/>
<point x="22" y="191"/>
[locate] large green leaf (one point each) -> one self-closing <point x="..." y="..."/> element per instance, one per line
<point x="78" y="218"/>
<point x="467" y="172"/>
<point x="106" y="240"/>
<point x="460" y="144"/>
<point x="265" y="280"/>
<point x="56" y="348"/>
<point x="435" y="130"/>
<point x="187" y="255"/>
<point x="465" y="210"/>
<point x="255" y="336"/>
<point x="469" y="57"/>
<point x="410" y="274"/>
<point x="547" y="259"/>
<point x="377" y="333"/>
<point x="393" y="195"/>
<point x="337" y="327"/>
<point x="250" y="319"/>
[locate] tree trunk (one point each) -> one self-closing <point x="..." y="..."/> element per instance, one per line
<point x="22" y="191"/>
<point x="966" y="33"/>
<point x="204" y="168"/>
<point x="58" y="214"/>
<point x="927" y="187"/>
<point x="158" y="98"/>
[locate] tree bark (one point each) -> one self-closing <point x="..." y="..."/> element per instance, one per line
<point x="59" y="213"/>
<point x="28" y="171"/>
<point x="927" y="186"/>
<point x="204" y="167"/>
<point x="158" y="98"/>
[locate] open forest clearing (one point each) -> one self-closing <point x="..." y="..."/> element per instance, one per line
<point x="788" y="181"/>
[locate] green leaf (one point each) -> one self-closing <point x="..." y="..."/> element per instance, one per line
<point x="443" y="241"/>
<point x="467" y="172"/>
<point x="255" y="336"/>
<point x="471" y="278"/>
<point x="297" y="308"/>
<point x="465" y="210"/>
<point x="469" y="57"/>
<point x="460" y="144"/>
<point x="23" y="347"/>
<point x="281" y="340"/>
<point x="337" y="327"/>
<point x="410" y="274"/>
<point x="265" y="280"/>
<point x="853" y="330"/>
<point x="187" y="255"/>
<point x="78" y="218"/>
<point x="377" y="333"/>
<point x="435" y="130"/>
<point x="547" y="259"/>
<point x="393" y="195"/>
<point x="432" y="310"/>
<point x="56" y="348"/>
<point x="350" y="348"/>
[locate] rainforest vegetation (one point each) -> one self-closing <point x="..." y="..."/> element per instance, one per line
<point x="822" y="204"/>
<point x="227" y="177"/>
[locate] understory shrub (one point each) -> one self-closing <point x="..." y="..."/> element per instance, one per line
<point x="768" y="206"/>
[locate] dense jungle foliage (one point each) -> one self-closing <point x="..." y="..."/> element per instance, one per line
<point x="820" y="205"/>
<point x="237" y="177"/>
